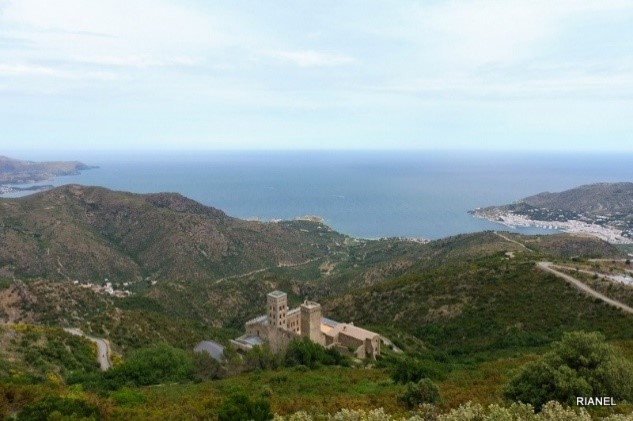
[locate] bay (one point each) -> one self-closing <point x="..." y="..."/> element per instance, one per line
<point x="424" y="194"/>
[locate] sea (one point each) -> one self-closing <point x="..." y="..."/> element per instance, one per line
<point x="369" y="194"/>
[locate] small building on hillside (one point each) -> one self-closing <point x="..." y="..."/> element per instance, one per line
<point x="280" y="325"/>
<point x="214" y="349"/>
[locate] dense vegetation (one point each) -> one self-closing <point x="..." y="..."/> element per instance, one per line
<point x="481" y="306"/>
<point x="91" y="234"/>
<point x="36" y="354"/>
<point x="467" y="315"/>
<point x="581" y="364"/>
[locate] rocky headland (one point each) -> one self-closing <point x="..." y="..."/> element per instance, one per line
<point x="15" y="171"/>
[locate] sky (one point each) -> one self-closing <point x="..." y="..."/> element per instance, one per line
<point x="164" y="75"/>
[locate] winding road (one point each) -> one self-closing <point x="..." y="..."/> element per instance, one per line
<point x="549" y="267"/>
<point x="103" y="347"/>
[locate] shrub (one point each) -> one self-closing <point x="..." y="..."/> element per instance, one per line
<point x="408" y="370"/>
<point x="425" y="391"/>
<point x="127" y="397"/>
<point x="240" y="407"/>
<point x="205" y="367"/>
<point x="54" y="407"/>
<point x="581" y="364"/>
<point x="261" y="358"/>
<point x="310" y="354"/>
<point x="159" y="364"/>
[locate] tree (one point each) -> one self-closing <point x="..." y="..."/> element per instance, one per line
<point x="408" y="370"/>
<point x="239" y="407"/>
<point x="311" y="354"/>
<point x="159" y="364"/>
<point x="581" y="364"/>
<point x="425" y="391"/>
<point x="261" y="358"/>
<point x="205" y="367"/>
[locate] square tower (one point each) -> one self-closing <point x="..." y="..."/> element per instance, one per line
<point x="311" y="321"/>
<point x="277" y="309"/>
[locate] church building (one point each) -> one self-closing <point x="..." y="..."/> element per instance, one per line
<point x="280" y="325"/>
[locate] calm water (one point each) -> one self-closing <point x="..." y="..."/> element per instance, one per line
<point x="377" y="194"/>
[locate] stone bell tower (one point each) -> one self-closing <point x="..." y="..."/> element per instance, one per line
<point x="311" y="321"/>
<point x="277" y="309"/>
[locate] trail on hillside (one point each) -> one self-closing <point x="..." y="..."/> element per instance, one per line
<point x="103" y="347"/>
<point x="549" y="267"/>
<point x="505" y="237"/>
<point x="253" y="272"/>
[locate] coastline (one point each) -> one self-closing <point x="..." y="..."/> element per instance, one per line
<point x="511" y="220"/>
<point x="4" y="189"/>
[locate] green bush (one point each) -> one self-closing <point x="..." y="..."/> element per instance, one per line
<point x="581" y="364"/>
<point x="240" y="407"/>
<point x="261" y="358"/>
<point x="408" y="370"/>
<point x="55" y="407"/>
<point x="310" y="354"/>
<point x="127" y="397"/>
<point x="160" y="364"/>
<point x="205" y="367"/>
<point x="424" y="391"/>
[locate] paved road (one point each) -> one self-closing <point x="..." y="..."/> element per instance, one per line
<point x="103" y="347"/>
<point x="549" y="267"/>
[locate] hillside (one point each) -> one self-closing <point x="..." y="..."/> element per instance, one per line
<point x="603" y="209"/>
<point x="467" y="310"/>
<point x="481" y="293"/>
<point x="445" y="275"/>
<point x="90" y="234"/>
<point x="592" y="199"/>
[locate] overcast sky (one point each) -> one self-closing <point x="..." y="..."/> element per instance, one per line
<point x="174" y="74"/>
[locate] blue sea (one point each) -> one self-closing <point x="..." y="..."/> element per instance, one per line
<point x="362" y="194"/>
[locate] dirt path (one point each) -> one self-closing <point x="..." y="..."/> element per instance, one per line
<point x="505" y="237"/>
<point x="390" y="344"/>
<point x="241" y="275"/>
<point x="549" y="267"/>
<point x="103" y="347"/>
<point x="610" y="278"/>
<point x="253" y="272"/>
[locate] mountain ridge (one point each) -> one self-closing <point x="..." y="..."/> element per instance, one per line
<point x="78" y="232"/>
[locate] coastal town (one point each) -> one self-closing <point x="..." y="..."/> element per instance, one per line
<point x="513" y="220"/>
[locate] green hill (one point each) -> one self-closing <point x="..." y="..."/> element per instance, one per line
<point x="467" y="310"/>
<point x="90" y="233"/>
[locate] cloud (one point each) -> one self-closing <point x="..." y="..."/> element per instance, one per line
<point x="153" y="29"/>
<point x="479" y="32"/>
<point x="22" y="70"/>
<point x="578" y="84"/>
<point x="136" y="60"/>
<point x="483" y="31"/>
<point x="309" y="58"/>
